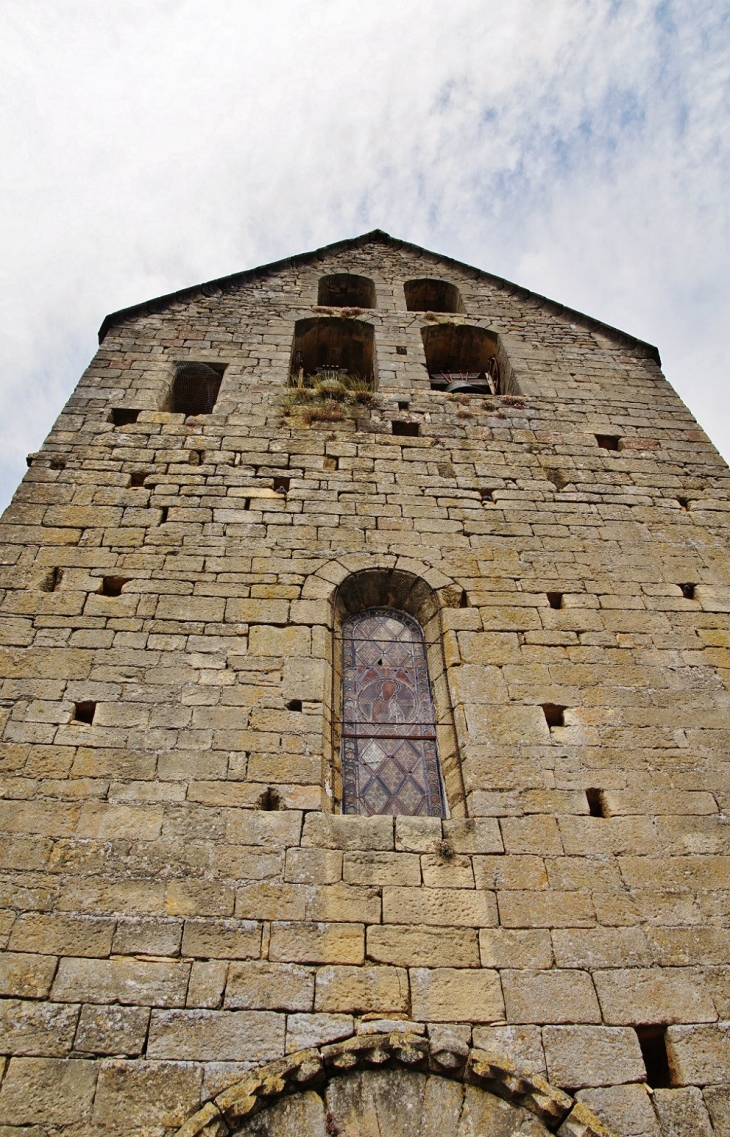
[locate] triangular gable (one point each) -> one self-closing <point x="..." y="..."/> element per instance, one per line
<point x="158" y="303"/>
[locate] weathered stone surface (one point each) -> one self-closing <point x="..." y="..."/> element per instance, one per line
<point x="454" y="995"/>
<point x="47" y="1091"/>
<point x="550" y="997"/>
<point x="654" y="996"/>
<point x="34" y="1027"/>
<point x="358" y="990"/>
<point x="423" y="946"/>
<point x="699" y="1054"/>
<point x="121" y="980"/>
<point x="317" y="943"/>
<point x="270" y="986"/>
<point x="185" y="848"/>
<point x="303" y="1031"/>
<point x="26" y="976"/>
<point x="112" y="1030"/>
<point x="682" y="1111"/>
<point x="626" y="1109"/>
<point x="227" y="939"/>
<point x="580" y="1056"/>
<point x="203" y="1035"/>
<point x="146" y="1094"/>
<point x="455" y="907"/>
<point x="62" y="935"/>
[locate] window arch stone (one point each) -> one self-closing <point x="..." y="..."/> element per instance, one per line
<point x="414" y="607"/>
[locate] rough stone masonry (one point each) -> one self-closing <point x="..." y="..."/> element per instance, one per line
<point x="185" y="906"/>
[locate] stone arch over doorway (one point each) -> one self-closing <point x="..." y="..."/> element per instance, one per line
<point x="399" y="1083"/>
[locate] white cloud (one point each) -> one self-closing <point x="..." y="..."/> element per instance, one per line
<point x="576" y="146"/>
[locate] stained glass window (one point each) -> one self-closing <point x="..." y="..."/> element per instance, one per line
<point x="389" y="752"/>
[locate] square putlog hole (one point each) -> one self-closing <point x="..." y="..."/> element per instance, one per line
<point x="554" y="714"/>
<point x="84" y="712"/>
<point x="653" y="1043"/>
<point x="137" y="479"/>
<point x="688" y="591"/>
<point x="555" y="599"/>
<point x="113" y="585"/>
<point x="281" y="484"/>
<point x="608" y="441"/>
<point x="406" y="429"/>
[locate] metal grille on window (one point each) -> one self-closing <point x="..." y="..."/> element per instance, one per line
<point x="389" y="751"/>
<point x="195" y="389"/>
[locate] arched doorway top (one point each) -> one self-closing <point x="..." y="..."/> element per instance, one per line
<point x="314" y="1068"/>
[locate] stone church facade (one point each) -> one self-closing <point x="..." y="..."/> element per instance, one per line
<point x="365" y="722"/>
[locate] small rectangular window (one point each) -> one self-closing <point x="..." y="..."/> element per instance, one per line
<point x="84" y="712"/>
<point x="596" y="807"/>
<point x="124" y="416"/>
<point x="406" y="429"/>
<point x="653" y="1043"/>
<point x="554" y="714"/>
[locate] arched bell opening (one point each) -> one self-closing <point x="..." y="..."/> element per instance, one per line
<point x="332" y="349"/>
<point x="430" y="295"/>
<point x="463" y="359"/>
<point x="345" y="290"/>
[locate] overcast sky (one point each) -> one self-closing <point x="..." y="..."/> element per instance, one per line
<point x="578" y="147"/>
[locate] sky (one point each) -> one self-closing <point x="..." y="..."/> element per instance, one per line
<point x="578" y="147"/>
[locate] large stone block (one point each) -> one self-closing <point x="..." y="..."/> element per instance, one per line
<point x="455" y="907"/>
<point x="625" y="1109"/>
<point x="26" y="976"/>
<point x="112" y="1030"/>
<point x="216" y="1036"/>
<point x="423" y="946"/>
<point x="699" y="1054"/>
<point x="448" y="994"/>
<point x="47" y="1091"/>
<point x="146" y="1097"/>
<point x="270" y="986"/>
<point x="361" y="990"/>
<point x="317" y="943"/>
<point x="682" y="1112"/>
<point x="127" y="981"/>
<point x="225" y="939"/>
<point x="580" y="1056"/>
<point x="550" y="997"/>
<point x="330" y="831"/>
<point x="38" y="1028"/>
<point x="654" y="995"/>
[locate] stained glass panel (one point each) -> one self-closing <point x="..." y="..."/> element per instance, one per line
<point x="389" y="752"/>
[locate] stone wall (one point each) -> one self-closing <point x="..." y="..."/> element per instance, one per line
<point x="164" y="934"/>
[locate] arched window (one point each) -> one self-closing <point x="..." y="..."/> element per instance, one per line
<point x="432" y="296"/>
<point x="389" y="756"/>
<point x="462" y="358"/>
<point x="327" y="346"/>
<point x="195" y="388"/>
<point x="345" y="290"/>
